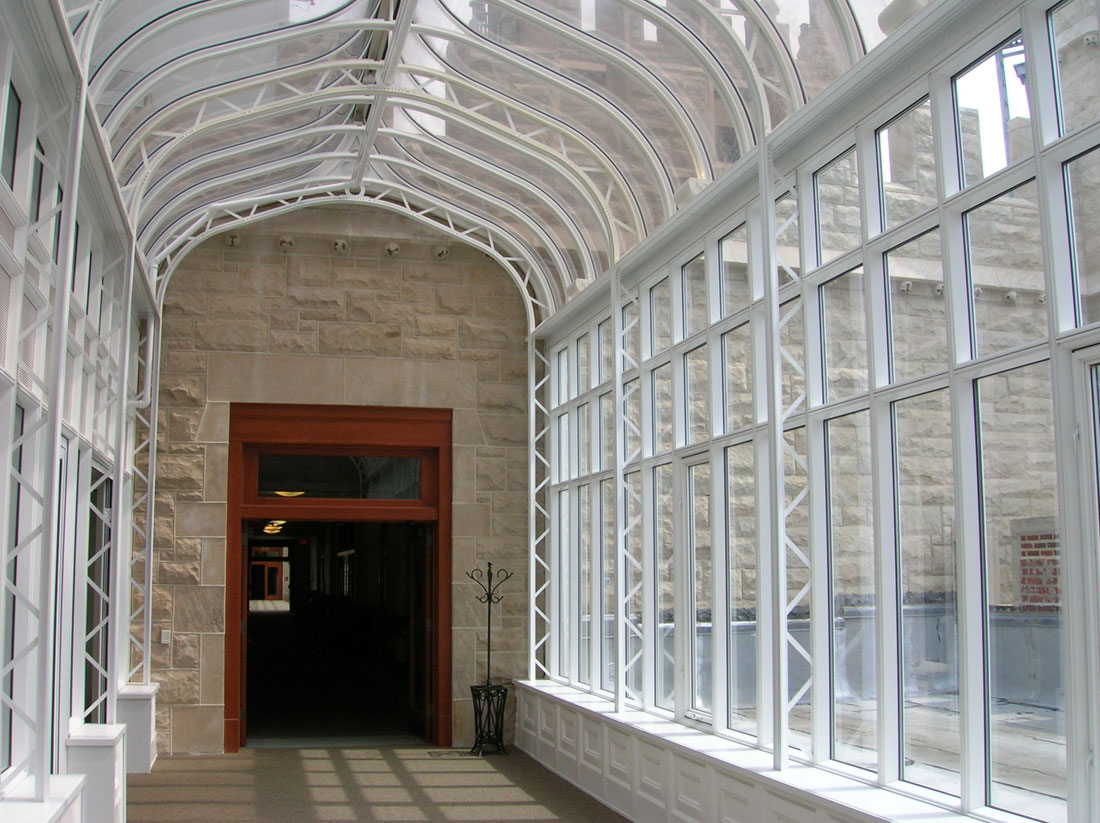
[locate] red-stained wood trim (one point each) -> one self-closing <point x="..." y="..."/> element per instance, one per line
<point x="337" y="430"/>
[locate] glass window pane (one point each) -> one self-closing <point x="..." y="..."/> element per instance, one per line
<point x="852" y="576"/>
<point x="561" y="377"/>
<point x="660" y="317"/>
<point x="632" y="337"/>
<point x="845" y="335"/>
<point x="736" y="291"/>
<point x="838" y="211"/>
<point x="632" y="422"/>
<point x="737" y="355"/>
<point x="917" y="308"/>
<point x="791" y="342"/>
<point x="1005" y="259"/>
<point x="607" y="431"/>
<point x="788" y="260"/>
<point x="584" y="438"/>
<point x="697" y="395"/>
<point x="564" y="622"/>
<point x="926" y="555"/>
<point x="665" y="586"/>
<point x="1083" y="183"/>
<point x="698" y="495"/>
<point x="607" y="584"/>
<point x="339" y="476"/>
<point x="1073" y="28"/>
<point x="584" y="375"/>
<point x="991" y="113"/>
<point x="585" y="566"/>
<point x="907" y="165"/>
<point x="563" y="447"/>
<point x="799" y="594"/>
<point x="1021" y="538"/>
<point x="743" y="582"/>
<point x="695" y="295"/>
<point x="604" y="333"/>
<point x="663" y="433"/>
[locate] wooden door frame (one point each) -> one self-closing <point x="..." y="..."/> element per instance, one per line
<point x="332" y="429"/>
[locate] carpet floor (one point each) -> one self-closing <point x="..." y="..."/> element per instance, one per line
<point x="319" y="785"/>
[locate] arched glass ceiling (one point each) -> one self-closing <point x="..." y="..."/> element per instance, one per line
<point x="555" y="132"/>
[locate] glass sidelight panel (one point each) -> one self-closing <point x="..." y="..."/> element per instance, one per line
<point x="607" y="585"/>
<point x="734" y="284"/>
<point x="992" y="116"/>
<point x="694" y="285"/>
<point x="1007" y="282"/>
<point x="928" y="634"/>
<point x="584" y="594"/>
<point x="743" y="587"/>
<point x="696" y="395"/>
<point x="1021" y="540"/>
<point x="852" y="595"/>
<point x="917" y="308"/>
<point x="665" y="586"/>
<point x="701" y="559"/>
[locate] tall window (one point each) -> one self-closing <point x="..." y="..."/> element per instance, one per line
<point x="852" y="495"/>
<point x="11" y="136"/>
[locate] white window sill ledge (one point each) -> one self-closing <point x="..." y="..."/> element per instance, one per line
<point x="19" y="806"/>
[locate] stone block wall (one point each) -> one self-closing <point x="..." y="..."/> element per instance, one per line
<point x="255" y="323"/>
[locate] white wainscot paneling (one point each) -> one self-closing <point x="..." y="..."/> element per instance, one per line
<point x="591" y="763"/>
<point x="568" y="743"/>
<point x="690" y="791"/>
<point x="620" y="778"/>
<point x="548" y="733"/>
<point x="735" y="800"/>
<point x="650" y="799"/>
<point x="526" y="729"/>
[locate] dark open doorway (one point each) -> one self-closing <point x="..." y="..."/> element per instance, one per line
<point x="340" y="656"/>
<point x="348" y="481"/>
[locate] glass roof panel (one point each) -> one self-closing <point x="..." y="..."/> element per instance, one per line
<point x="570" y="124"/>
<point x="555" y="222"/>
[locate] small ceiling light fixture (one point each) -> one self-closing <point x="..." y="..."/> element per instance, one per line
<point x="289" y="494"/>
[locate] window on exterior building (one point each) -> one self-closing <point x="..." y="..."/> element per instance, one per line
<point x="10" y="147"/>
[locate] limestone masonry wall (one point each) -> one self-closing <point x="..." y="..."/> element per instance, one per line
<point x="252" y="323"/>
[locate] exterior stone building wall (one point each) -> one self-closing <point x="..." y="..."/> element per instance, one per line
<point x="254" y="324"/>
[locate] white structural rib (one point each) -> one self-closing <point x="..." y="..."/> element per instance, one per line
<point x="395" y="46"/>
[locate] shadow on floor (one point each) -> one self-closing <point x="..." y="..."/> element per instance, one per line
<point x="318" y="785"/>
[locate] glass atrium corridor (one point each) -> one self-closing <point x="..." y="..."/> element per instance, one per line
<point x="754" y="339"/>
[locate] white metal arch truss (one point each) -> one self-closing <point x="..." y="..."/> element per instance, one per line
<point x="533" y="149"/>
<point x="369" y="69"/>
<point x="520" y="263"/>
